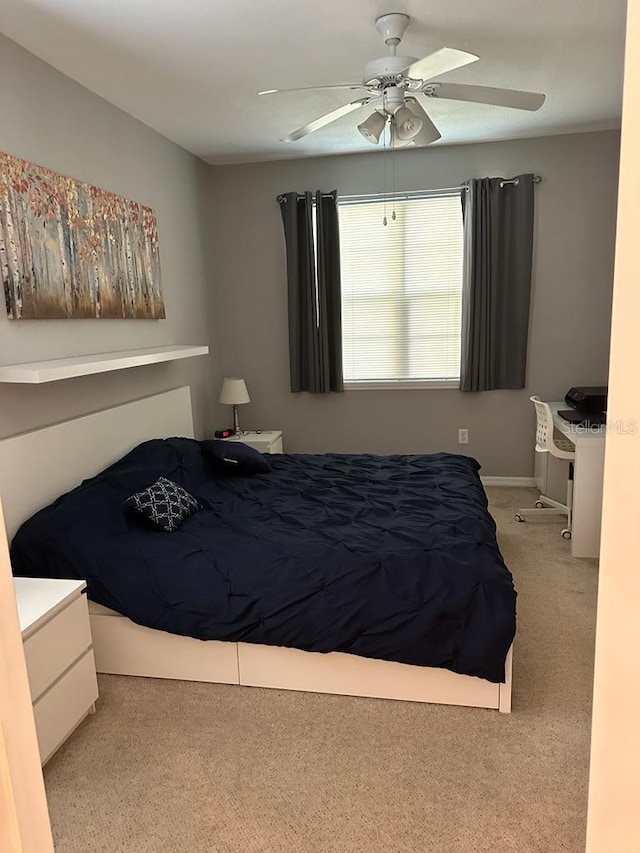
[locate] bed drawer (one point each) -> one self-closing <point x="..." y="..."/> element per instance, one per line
<point x="56" y="645"/>
<point x="59" y="711"/>
<point x="124" y="648"/>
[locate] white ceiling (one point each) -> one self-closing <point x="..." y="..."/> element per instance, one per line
<point x="190" y="69"/>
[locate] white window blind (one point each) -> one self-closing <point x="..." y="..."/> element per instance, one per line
<point x="401" y="289"/>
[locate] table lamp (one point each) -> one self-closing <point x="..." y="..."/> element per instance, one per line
<point x="234" y="393"/>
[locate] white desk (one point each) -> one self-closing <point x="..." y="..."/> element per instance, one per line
<point x="587" y="483"/>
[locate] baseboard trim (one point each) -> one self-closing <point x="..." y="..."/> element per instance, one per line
<point x="520" y="482"/>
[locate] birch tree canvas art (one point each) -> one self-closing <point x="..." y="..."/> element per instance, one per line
<point x="72" y="250"/>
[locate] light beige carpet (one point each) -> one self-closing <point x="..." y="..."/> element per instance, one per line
<point x="166" y="767"/>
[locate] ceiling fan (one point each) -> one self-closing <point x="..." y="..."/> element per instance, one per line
<point x="397" y="87"/>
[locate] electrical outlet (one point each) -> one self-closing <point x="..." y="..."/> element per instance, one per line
<point x="463" y="436"/>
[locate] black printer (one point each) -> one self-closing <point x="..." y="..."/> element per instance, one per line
<point x="588" y="405"/>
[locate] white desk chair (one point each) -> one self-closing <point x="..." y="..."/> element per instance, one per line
<point x="548" y="441"/>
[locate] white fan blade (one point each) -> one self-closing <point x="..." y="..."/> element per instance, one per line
<point x="334" y="115"/>
<point x="429" y="132"/>
<point x="488" y="95"/>
<point x="443" y="60"/>
<point x="352" y="86"/>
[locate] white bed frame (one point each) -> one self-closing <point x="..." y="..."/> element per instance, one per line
<point x="38" y="466"/>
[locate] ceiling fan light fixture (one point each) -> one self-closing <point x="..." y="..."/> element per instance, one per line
<point x="408" y="125"/>
<point x="372" y="127"/>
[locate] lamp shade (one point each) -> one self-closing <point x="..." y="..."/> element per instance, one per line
<point x="407" y="124"/>
<point x="372" y="127"/>
<point x="234" y="391"/>
<point x="394" y="140"/>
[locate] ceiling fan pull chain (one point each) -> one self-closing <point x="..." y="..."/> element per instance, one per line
<point x="384" y="173"/>
<point x="393" y="184"/>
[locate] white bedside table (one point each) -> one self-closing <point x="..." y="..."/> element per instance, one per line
<point x="266" y="440"/>
<point x="54" y="620"/>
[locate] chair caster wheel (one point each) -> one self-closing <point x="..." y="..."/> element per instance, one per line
<point x="518" y="517"/>
<point x="539" y="505"/>
<point x="566" y="534"/>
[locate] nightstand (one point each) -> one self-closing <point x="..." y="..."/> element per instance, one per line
<point x="54" y="620"/>
<point x="266" y="441"/>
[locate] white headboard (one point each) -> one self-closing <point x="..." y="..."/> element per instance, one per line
<point x="36" y="467"/>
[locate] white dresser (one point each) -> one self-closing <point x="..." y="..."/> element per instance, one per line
<point x="266" y="440"/>
<point x="54" y="620"/>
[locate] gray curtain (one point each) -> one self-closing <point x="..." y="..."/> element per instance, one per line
<point x="498" y="249"/>
<point x="313" y="279"/>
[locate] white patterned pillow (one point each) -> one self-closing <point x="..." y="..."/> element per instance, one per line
<point x="165" y="504"/>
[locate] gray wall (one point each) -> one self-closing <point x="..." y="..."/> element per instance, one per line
<point x="47" y="118"/>
<point x="221" y="241"/>
<point x="569" y="337"/>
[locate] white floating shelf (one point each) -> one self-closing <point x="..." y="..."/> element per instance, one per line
<point x="36" y="372"/>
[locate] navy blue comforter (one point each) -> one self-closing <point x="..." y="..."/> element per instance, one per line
<point x="391" y="557"/>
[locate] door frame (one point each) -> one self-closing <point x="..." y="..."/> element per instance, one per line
<point x="24" y="818"/>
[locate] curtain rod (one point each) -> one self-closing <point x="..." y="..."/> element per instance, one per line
<point x="409" y="194"/>
<point x="281" y="198"/>
<point x="399" y="196"/>
<point x="536" y="180"/>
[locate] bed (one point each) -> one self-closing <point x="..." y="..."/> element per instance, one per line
<point x="366" y="575"/>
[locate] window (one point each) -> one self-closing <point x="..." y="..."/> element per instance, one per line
<point x="401" y="289"/>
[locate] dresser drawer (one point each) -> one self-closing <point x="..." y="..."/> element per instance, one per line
<point x="56" y="645"/>
<point x="59" y="711"/>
